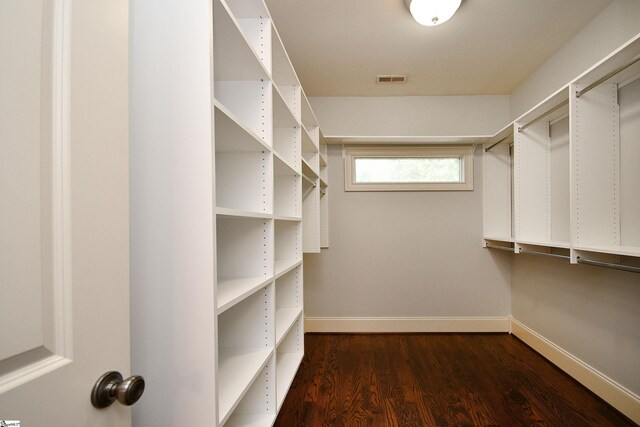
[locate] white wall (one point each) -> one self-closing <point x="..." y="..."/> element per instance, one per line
<point x="618" y="23"/>
<point x="591" y="312"/>
<point x="398" y="254"/>
<point x="411" y="115"/>
<point x="405" y="254"/>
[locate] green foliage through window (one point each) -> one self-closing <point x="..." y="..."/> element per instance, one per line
<point x="408" y="169"/>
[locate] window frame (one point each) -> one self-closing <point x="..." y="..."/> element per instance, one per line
<point x="464" y="152"/>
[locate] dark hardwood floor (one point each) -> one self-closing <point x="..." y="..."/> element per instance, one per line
<point x="435" y="380"/>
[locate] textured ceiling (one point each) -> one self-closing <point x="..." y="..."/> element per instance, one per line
<point x="489" y="47"/>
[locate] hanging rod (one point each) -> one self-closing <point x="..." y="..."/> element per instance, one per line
<point x="527" y="252"/>
<point x="502" y="248"/>
<point x="579" y="93"/>
<point x="309" y="180"/>
<point x="609" y="265"/>
<point x="543" y="115"/>
<point x="501" y="141"/>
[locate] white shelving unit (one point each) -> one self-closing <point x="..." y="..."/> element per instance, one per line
<point x="324" y="194"/>
<point x="312" y="184"/>
<point x="541" y="185"/>
<point x="605" y="206"/>
<point x="266" y="152"/>
<point x="288" y="245"/>
<point x="288" y="189"/>
<point x="244" y="166"/>
<point x="575" y="176"/>
<point x="289" y="354"/>
<point x="221" y="134"/>
<point x="289" y="295"/>
<point x="497" y="189"/>
<point x="245" y="352"/>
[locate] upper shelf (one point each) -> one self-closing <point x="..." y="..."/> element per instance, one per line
<point x="626" y="54"/>
<point x="236" y="58"/>
<point x="408" y="140"/>
<point x="283" y="73"/>
<point x="248" y="9"/>
<point x="283" y="116"/>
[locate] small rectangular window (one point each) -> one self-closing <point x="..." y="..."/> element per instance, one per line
<point x="416" y="168"/>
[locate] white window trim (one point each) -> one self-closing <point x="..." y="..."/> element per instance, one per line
<point x="465" y="153"/>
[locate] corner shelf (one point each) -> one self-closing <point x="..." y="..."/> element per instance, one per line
<point x="265" y="138"/>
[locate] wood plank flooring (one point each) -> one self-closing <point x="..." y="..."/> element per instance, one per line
<point x="435" y="380"/>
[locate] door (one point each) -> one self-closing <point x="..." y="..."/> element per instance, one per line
<point x="64" y="257"/>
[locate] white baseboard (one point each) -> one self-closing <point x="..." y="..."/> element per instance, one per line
<point x="406" y="324"/>
<point x="613" y="393"/>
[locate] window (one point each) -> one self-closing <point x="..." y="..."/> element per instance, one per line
<point x="417" y="168"/>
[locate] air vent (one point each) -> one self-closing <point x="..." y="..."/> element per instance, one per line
<point x="396" y="78"/>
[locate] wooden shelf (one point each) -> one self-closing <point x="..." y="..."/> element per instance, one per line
<point x="547" y="243"/>
<point x="506" y="239"/>
<point x="632" y="251"/>
<point x="283" y="116"/>
<point x="247" y="9"/>
<point x="308" y="170"/>
<point x="250" y="421"/>
<point x="244" y="247"/>
<point x="289" y="353"/>
<point x="309" y="121"/>
<point x="497" y="187"/>
<point x="237" y="369"/>
<point x="283" y="73"/>
<point x="282" y="167"/>
<point x="235" y="213"/>
<point x="232" y="290"/>
<point x="283" y="266"/>
<point x="287" y="365"/>
<point x="232" y="135"/>
<point x="323" y="160"/>
<point x="236" y="57"/>
<point x="285" y="319"/>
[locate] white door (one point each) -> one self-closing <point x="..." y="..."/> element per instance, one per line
<point x="64" y="250"/>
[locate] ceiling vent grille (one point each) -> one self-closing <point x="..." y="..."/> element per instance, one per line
<point x="396" y="78"/>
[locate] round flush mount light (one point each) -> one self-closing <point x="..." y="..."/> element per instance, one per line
<point x="433" y="12"/>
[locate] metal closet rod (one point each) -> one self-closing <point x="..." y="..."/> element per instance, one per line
<point x="543" y="115"/>
<point x="609" y="265"/>
<point x="499" y="142"/>
<point x="602" y="79"/>
<point x="309" y="180"/>
<point x="502" y="248"/>
<point x="527" y="252"/>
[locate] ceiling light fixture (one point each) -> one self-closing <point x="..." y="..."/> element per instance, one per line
<point x="433" y="12"/>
